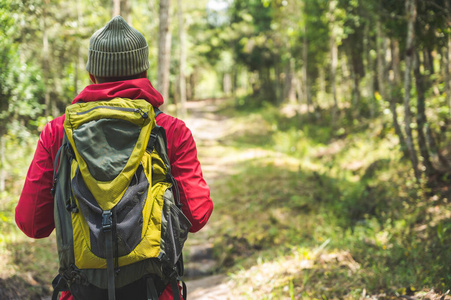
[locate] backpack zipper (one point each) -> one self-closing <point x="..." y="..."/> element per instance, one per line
<point x="143" y="114"/>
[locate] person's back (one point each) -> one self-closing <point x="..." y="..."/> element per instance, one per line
<point x="116" y="72"/>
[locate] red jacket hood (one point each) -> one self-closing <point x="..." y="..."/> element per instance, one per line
<point x="132" y="89"/>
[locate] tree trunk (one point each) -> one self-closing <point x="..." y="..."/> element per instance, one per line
<point x="235" y="73"/>
<point x="445" y="165"/>
<point x="182" y="63"/>
<point x="189" y="88"/>
<point x="305" y="47"/>
<point x="368" y="65"/>
<point x="333" y="64"/>
<point x="355" y="89"/>
<point x="410" y="51"/>
<point x="2" y="163"/>
<point x="298" y="87"/>
<point x="277" y="86"/>
<point x="45" y="59"/>
<point x="381" y="64"/>
<point x="227" y="84"/>
<point x="421" y="118"/>
<point x="428" y="63"/>
<point x="322" y="95"/>
<point x="127" y="10"/>
<point x="447" y="57"/>
<point x="395" y="61"/>
<point x="192" y="85"/>
<point x="447" y="72"/>
<point x="395" y="93"/>
<point x="164" y="50"/>
<point x="116" y="7"/>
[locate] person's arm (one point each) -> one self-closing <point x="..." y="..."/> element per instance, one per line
<point x="34" y="212"/>
<point x="186" y="169"/>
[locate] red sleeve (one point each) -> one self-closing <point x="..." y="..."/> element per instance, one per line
<point x="34" y="212"/>
<point x="186" y="169"/>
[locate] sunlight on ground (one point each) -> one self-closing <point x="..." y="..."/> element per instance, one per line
<point x="267" y="278"/>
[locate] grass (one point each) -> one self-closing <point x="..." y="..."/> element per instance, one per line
<point x="301" y="212"/>
<point x="385" y="234"/>
<point x="27" y="266"/>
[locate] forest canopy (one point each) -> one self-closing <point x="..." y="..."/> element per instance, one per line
<point x="359" y="91"/>
<point x="368" y="57"/>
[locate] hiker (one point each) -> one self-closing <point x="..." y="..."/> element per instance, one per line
<point x="117" y="66"/>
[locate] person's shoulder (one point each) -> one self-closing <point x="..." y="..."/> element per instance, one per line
<point x="52" y="133"/>
<point x="54" y="125"/>
<point x="168" y="121"/>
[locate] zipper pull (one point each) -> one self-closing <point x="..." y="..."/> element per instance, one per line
<point x="143" y="114"/>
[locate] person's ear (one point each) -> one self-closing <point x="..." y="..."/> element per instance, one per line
<point x="93" y="78"/>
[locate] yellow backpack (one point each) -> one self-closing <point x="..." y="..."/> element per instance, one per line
<point x="120" y="230"/>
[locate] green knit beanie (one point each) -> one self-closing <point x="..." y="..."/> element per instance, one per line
<point x="117" y="50"/>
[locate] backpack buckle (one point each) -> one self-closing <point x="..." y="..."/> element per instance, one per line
<point x="106" y="220"/>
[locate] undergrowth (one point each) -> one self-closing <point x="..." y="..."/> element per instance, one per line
<point x="310" y="211"/>
<point x="27" y="266"/>
<point x="349" y="190"/>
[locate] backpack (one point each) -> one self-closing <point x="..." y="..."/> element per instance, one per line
<point x="119" y="227"/>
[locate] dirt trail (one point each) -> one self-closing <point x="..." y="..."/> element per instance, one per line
<point x="208" y="129"/>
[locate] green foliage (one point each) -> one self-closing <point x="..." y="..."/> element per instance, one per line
<point x="384" y="232"/>
<point x="19" y="150"/>
<point x="20" y="86"/>
<point x="316" y="177"/>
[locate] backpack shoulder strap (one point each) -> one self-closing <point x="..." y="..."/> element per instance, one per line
<point x="57" y="162"/>
<point x="157" y="111"/>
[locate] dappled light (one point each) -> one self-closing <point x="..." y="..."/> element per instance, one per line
<point x="322" y="129"/>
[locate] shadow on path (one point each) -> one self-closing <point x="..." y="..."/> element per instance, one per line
<point x="208" y="129"/>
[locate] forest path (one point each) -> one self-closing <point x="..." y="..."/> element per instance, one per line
<point x="209" y="128"/>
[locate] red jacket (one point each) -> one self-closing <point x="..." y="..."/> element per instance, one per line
<point x="34" y="212"/>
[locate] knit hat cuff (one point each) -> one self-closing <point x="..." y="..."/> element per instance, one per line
<point x="118" y="64"/>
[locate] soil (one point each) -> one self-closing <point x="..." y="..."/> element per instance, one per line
<point x="208" y="130"/>
<point x="203" y="282"/>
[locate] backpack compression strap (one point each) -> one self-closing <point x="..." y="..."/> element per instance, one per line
<point x="108" y="231"/>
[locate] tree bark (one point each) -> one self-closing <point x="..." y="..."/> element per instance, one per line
<point x="447" y="70"/>
<point x="447" y="57"/>
<point x="410" y="51"/>
<point x="298" y="88"/>
<point x="445" y="165"/>
<point x="368" y="65"/>
<point x="305" y="48"/>
<point x="322" y="95"/>
<point x="381" y="64"/>
<point x="395" y="93"/>
<point x="333" y="64"/>
<point x="227" y="83"/>
<point x="277" y="86"/>
<point x="116" y="7"/>
<point x="45" y="59"/>
<point x="182" y="63"/>
<point x="355" y="89"/>
<point x="396" y="61"/>
<point x="2" y="162"/>
<point x="127" y="10"/>
<point x="421" y="118"/>
<point x="164" y="49"/>
<point x="79" y="58"/>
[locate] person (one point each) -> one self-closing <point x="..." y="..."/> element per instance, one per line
<point x="117" y="66"/>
